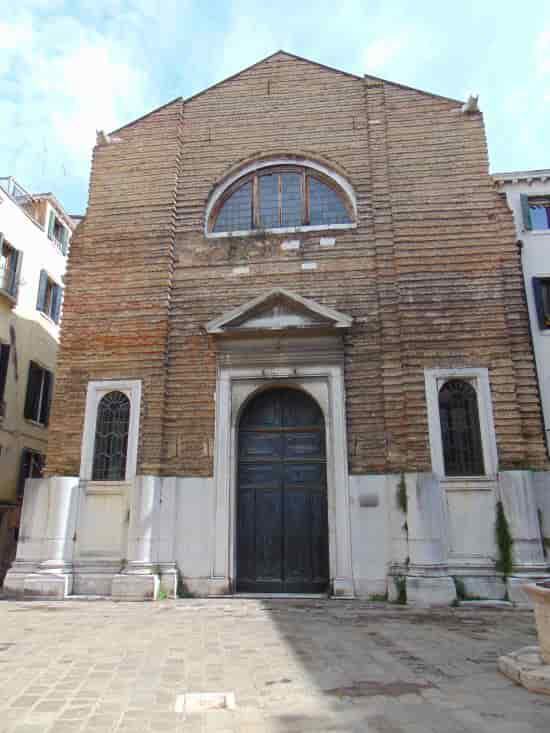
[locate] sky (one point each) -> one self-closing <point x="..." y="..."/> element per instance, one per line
<point x="71" y="67"/>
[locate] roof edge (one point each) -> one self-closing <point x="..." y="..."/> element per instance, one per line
<point x="185" y="100"/>
<point x="147" y="114"/>
<point x="541" y="174"/>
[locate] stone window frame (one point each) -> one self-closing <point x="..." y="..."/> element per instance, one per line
<point x="95" y="392"/>
<point x="228" y="185"/>
<point x="478" y="377"/>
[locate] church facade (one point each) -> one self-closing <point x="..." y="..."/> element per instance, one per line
<point x="295" y="356"/>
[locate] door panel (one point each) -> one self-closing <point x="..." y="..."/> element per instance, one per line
<point x="282" y="525"/>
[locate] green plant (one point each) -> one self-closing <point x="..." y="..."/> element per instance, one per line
<point x="460" y="588"/>
<point x="401" y="587"/>
<point x="504" y="542"/>
<point x="401" y="495"/>
<point x="161" y="595"/>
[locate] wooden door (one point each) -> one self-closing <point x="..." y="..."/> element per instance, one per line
<point x="282" y="527"/>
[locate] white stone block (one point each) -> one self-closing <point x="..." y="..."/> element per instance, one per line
<point x="129" y="587"/>
<point x="327" y="241"/>
<point x="48" y="585"/>
<point x="427" y="592"/>
<point x="309" y="265"/>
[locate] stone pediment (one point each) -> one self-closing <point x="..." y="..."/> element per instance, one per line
<point x="278" y="310"/>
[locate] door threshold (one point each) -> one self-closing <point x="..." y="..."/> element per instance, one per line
<point x="282" y="596"/>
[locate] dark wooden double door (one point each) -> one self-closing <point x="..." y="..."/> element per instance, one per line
<point x="282" y="526"/>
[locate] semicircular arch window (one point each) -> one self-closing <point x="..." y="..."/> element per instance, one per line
<point x="281" y="197"/>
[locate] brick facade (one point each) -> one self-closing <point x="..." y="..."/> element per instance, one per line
<point x="430" y="275"/>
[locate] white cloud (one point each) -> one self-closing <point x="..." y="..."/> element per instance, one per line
<point x="381" y="52"/>
<point x="60" y="80"/>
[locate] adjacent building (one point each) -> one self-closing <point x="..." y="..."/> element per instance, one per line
<point x="528" y="195"/>
<point x="295" y="355"/>
<point x="35" y="233"/>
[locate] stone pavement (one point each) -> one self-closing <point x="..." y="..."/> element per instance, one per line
<point x="293" y="665"/>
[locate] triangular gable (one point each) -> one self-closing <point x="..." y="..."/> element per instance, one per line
<point x="278" y="310"/>
<point x="286" y="54"/>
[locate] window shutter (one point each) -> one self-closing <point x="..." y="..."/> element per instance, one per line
<point x="526" y="214"/>
<point x="24" y="471"/>
<point x="57" y="293"/>
<point x="4" y="363"/>
<point x="64" y="240"/>
<point x="46" y="398"/>
<point x="16" y="258"/>
<point x="41" y="302"/>
<point x="539" y="300"/>
<point x="51" y="224"/>
<point x="33" y="392"/>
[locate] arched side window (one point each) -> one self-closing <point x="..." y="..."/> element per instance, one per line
<point x="111" y="437"/>
<point x="280" y="197"/>
<point x="460" y="429"/>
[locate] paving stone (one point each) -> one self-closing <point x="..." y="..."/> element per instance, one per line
<point x="395" y="669"/>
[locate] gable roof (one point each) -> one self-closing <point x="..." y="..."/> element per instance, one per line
<point x="288" y="55"/>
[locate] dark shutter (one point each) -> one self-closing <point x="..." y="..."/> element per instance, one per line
<point x="64" y="240"/>
<point x="46" y="397"/>
<point x="56" y="303"/>
<point x="24" y="471"/>
<point x="51" y="225"/>
<point x="14" y="273"/>
<point x="32" y="400"/>
<point x="4" y="363"/>
<point x="32" y="466"/>
<point x="539" y="300"/>
<point x="526" y="214"/>
<point x="42" y="287"/>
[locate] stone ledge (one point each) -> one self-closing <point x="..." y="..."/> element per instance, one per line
<point x="526" y="667"/>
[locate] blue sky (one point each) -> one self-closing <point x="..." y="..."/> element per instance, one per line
<point x="68" y="68"/>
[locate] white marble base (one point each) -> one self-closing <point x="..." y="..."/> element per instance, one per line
<point x="219" y="586"/>
<point x="526" y="667"/>
<point x="127" y="587"/>
<point x="342" y="588"/>
<point x="437" y="591"/>
<point x="48" y="585"/>
<point x="479" y="587"/>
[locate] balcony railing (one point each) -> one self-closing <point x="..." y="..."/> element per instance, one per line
<point x="8" y="279"/>
<point x="14" y="190"/>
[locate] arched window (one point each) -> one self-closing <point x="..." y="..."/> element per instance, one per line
<point x="460" y="431"/>
<point x="281" y="197"/>
<point x="111" y="438"/>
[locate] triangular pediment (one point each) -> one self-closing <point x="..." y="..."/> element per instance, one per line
<point x="278" y="310"/>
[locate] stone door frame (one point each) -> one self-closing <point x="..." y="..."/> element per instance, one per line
<point x="235" y="386"/>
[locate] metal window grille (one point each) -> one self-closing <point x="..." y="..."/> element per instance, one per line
<point x="460" y="430"/>
<point x="111" y="438"/>
<point x="279" y="198"/>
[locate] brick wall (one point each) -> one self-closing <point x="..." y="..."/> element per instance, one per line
<point x="431" y="273"/>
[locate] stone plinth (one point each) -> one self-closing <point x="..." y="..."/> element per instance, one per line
<point x="539" y="593"/>
<point x="526" y="667"/>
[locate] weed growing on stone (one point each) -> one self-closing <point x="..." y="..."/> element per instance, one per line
<point x="504" y="542"/>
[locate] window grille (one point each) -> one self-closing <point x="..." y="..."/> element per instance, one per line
<point x="111" y="438"/>
<point x="460" y="429"/>
<point x="281" y="197"/>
